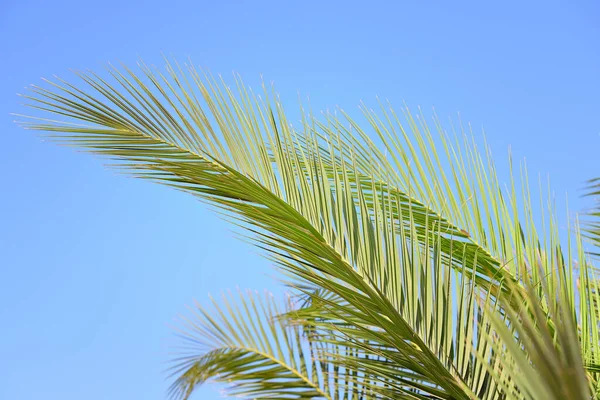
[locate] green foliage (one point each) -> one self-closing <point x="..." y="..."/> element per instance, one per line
<point x="591" y="227"/>
<point x="422" y="276"/>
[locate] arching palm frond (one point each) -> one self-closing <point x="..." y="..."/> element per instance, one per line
<point x="420" y="275"/>
<point x="243" y="341"/>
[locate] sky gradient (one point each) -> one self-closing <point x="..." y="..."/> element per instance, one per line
<point x="95" y="266"/>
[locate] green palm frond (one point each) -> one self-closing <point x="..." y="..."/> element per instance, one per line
<point x="421" y="277"/>
<point x="243" y="341"/>
<point x="591" y="227"/>
<point x="544" y="363"/>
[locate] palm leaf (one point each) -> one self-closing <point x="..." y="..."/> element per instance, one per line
<point x="244" y="342"/>
<point x="591" y="227"/>
<point x="406" y="251"/>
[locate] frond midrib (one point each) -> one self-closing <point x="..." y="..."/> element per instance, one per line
<point x="268" y="356"/>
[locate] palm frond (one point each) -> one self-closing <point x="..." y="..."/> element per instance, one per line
<point x="312" y="227"/>
<point x="544" y="363"/>
<point x="591" y="227"/>
<point x="401" y="253"/>
<point x="242" y="341"/>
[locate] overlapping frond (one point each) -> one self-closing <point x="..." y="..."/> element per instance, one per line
<point x="543" y="362"/>
<point x="241" y="341"/>
<point x="420" y="275"/>
<point x="591" y="227"/>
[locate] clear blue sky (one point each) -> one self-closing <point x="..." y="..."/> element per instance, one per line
<point x="96" y="266"/>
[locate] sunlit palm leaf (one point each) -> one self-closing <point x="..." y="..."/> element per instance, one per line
<point x="592" y="225"/>
<point x="407" y="252"/>
<point x="288" y="214"/>
<point x="243" y="342"/>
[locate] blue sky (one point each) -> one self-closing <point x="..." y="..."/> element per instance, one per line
<point x="95" y="266"/>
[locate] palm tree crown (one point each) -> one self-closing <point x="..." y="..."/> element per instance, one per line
<point x="415" y="274"/>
